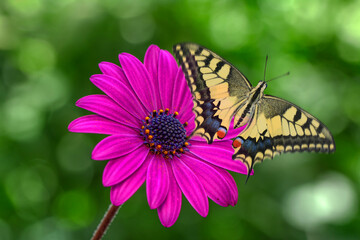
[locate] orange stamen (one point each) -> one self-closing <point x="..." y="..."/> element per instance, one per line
<point x="150" y="137"/>
<point x="147" y="131"/>
<point x="186" y="144"/>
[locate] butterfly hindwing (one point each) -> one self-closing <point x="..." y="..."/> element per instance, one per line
<point x="279" y="126"/>
<point x="218" y="88"/>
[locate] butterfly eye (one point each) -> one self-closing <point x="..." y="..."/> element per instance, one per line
<point x="221" y="133"/>
<point x="237" y="142"/>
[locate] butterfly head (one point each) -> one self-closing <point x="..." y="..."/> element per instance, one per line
<point x="261" y="86"/>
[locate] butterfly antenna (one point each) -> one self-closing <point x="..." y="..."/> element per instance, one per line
<point x="283" y="75"/>
<point x="267" y="57"/>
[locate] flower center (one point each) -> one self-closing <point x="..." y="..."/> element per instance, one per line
<point x="164" y="134"/>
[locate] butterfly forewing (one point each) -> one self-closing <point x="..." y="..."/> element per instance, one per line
<point x="218" y="88"/>
<point x="280" y="126"/>
<point x="222" y="93"/>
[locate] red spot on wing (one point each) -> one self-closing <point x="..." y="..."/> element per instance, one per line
<point x="237" y="142"/>
<point x="221" y="133"/>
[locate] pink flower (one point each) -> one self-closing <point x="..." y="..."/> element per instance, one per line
<point x="147" y="111"/>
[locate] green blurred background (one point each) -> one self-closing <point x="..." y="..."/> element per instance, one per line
<point x="51" y="189"/>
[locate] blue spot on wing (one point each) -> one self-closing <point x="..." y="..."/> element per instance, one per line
<point x="250" y="147"/>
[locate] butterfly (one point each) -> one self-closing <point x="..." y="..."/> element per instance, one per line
<point x="222" y="94"/>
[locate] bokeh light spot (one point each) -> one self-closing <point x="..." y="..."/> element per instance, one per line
<point x="47" y="89"/>
<point x="21" y="121"/>
<point x="229" y="28"/>
<point x="75" y="208"/>
<point x="331" y="199"/>
<point x="23" y="111"/>
<point x="137" y="30"/>
<point x="126" y="8"/>
<point x="35" y="55"/>
<point x="73" y="153"/>
<point x="30" y="185"/>
<point x="349" y="24"/>
<point x="8" y="38"/>
<point x="46" y="229"/>
<point x="25" y="7"/>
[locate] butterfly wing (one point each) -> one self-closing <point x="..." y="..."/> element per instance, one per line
<point x="218" y="88"/>
<point x="279" y="126"/>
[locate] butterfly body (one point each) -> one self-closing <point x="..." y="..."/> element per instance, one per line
<point x="222" y="94"/>
<point x="247" y="109"/>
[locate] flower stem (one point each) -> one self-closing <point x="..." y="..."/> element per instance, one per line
<point x="105" y="222"/>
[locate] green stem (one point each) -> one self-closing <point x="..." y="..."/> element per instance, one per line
<point x="105" y="222"/>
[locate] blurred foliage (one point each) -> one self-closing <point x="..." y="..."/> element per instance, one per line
<point x="51" y="189"/>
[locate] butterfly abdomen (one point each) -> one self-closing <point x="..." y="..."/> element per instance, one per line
<point x="244" y="115"/>
<point x="253" y="98"/>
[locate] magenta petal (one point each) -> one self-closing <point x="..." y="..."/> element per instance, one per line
<point x="182" y="100"/>
<point x="187" y="116"/>
<point x="121" y="94"/>
<point x="157" y="181"/>
<point x="222" y="157"/>
<point x="151" y="61"/>
<point x="186" y="112"/>
<point x="231" y="183"/>
<point x="114" y="71"/>
<point x="121" y="192"/>
<point x="215" y="185"/>
<point x="106" y="107"/>
<point x="170" y="209"/>
<point x="98" y="124"/>
<point x="191" y="186"/>
<point x="233" y="133"/>
<point x="116" y="146"/>
<point x="140" y="81"/>
<point x="191" y="125"/>
<point x="167" y="71"/>
<point x="119" y="169"/>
